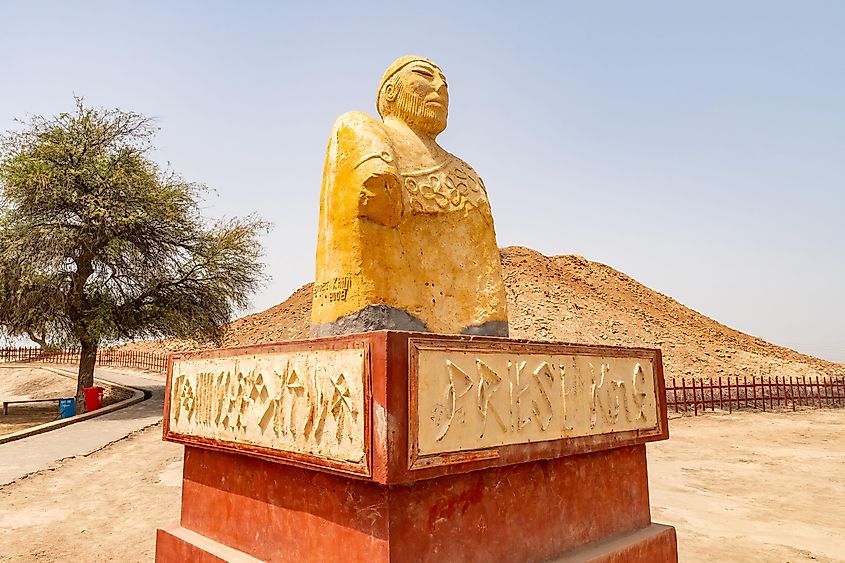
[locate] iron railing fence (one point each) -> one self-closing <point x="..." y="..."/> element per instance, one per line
<point x="699" y="395"/>
<point x="106" y="357"/>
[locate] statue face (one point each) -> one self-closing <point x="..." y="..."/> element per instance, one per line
<point x="422" y="98"/>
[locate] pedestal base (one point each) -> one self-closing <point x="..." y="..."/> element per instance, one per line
<point x="402" y="447"/>
<point x="238" y="508"/>
<point x="655" y="543"/>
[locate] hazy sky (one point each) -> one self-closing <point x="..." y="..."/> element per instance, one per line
<point x="697" y="147"/>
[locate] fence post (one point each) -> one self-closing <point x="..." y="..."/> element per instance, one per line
<point x="721" y="401"/>
<point x="684" y="392"/>
<point x="826" y="393"/>
<point x="695" y="398"/>
<point x="712" y="395"/>
<point x="823" y="393"/>
<point x="842" y="381"/>
<point x="792" y="392"/>
<point x="730" y="397"/>
<point x="675" y="394"/>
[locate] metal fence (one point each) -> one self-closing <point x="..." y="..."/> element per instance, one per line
<point x="696" y="396"/>
<point x="105" y="357"/>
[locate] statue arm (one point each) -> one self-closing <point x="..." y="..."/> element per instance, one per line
<point x="371" y="174"/>
<point x="380" y="198"/>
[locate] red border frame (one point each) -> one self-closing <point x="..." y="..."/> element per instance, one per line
<point x="356" y="341"/>
<point x="535" y="450"/>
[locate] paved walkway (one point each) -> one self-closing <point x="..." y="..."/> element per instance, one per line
<point x="27" y="455"/>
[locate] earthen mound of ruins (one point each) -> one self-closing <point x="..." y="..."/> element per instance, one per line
<point x="571" y="299"/>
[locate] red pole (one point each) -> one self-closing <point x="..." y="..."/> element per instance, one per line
<point x="792" y="392"/>
<point x="822" y="393"/>
<point x="783" y="391"/>
<point x="842" y="381"/>
<point x="684" y="392"/>
<point x="763" y="392"/>
<point x="771" y="401"/>
<point x="800" y="386"/>
<point x="818" y="393"/>
<point x="753" y="392"/>
<point x="712" y="397"/>
<point x="695" y="398"/>
<point x="675" y="394"/>
<point x="773" y="395"/>
<point x="721" y="401"/>
<point x="824" y="388"/>
<point x="777" y="394"/>
<point x="730" y="397"/>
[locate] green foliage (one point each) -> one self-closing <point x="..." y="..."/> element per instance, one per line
<point x="98" y="244"/>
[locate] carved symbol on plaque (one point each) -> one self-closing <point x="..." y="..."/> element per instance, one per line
<point x="638" y="396"/>
<point x="532" y="395"/>
<point x="284" y="410"/>
<point x="599" y="398"/>
<point x="341" y="407"/>
<point x="223" y="400"/>
<point x="542" y="406"/>
<point x="186" y="398"/>
<point x="459" y="385"/>
<point x="488" y="384"/>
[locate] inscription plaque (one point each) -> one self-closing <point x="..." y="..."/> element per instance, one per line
<point x="477" y="397"/>
<point x="306" y="403"/>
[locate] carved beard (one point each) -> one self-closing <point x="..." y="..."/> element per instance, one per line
<point x="412" y="109"/>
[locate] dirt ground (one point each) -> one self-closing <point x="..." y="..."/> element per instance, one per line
<point x="741" y="487"/>
<point x="753" y="486"/>
<point x="102" y="507"/>
<point x="21" y="383"/>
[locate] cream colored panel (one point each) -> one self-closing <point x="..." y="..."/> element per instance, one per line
<point x="304" y="402"/>
<point x="474" y="400"/>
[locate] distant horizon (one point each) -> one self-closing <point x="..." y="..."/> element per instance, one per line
<point x="695" y="148"/>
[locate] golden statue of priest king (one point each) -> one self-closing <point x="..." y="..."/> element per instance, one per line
<point x="406" y="238"/>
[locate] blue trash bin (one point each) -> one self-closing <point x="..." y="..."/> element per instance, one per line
<point x="67" y="408"/>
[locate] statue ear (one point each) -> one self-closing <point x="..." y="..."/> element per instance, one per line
<point x="391" y="91"/>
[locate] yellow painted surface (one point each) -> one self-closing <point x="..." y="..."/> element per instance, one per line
<point x="303" y="402"/>
<point x="469" y="400"/>
<point x="403" y="222"/>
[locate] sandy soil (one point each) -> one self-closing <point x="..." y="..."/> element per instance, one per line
<point x="753" y="486"/>
<point x="21" y="383"/>
<point x="103" y="507"/>
<point x="744" y="487"/>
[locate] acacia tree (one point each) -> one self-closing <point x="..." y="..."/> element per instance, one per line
<point x="99" y="244"/>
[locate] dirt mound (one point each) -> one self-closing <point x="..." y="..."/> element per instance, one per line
<point x="571" y="299"/>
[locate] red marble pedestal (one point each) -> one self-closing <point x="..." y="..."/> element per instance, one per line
<point x="579" y="498"/>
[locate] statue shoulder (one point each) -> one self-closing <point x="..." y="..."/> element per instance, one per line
<point x="360" y="123"/>
<point x="362" y="137"/>
<point x="463" y="164"/>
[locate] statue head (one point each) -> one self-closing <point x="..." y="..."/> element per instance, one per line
<point x="413" y="90"/>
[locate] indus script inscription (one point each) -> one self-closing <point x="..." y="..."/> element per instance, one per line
<point x="471" y="400"/>
<point x="309" y="403"/>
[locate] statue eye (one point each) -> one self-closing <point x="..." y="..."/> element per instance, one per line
<point x="424" y="72"/>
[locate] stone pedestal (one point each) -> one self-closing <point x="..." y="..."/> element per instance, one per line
<point x="394" y="446"/>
